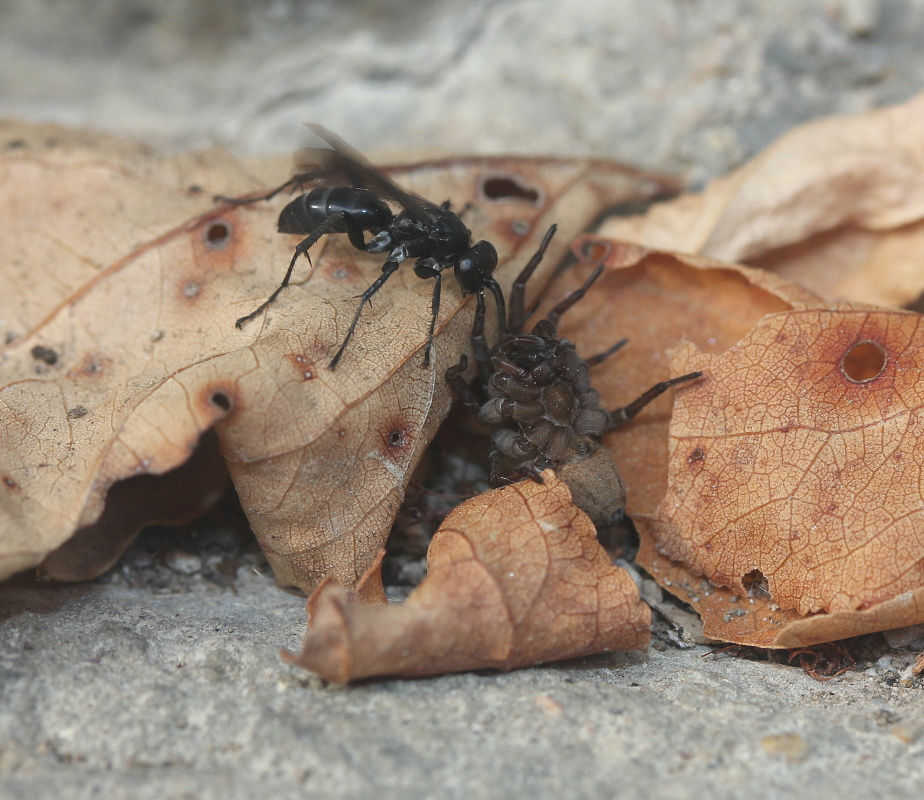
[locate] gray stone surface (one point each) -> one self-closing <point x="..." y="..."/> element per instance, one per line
<point x="162" y="682"/>
<point x="690" y="87"/>
<point x="109" y="690"/>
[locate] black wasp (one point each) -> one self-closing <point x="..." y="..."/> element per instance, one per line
<point x="432" y="234"/>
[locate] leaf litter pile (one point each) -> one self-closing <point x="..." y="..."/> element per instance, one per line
<point x="779" y="494"/>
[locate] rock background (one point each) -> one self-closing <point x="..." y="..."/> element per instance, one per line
<point x="161" y="680"/>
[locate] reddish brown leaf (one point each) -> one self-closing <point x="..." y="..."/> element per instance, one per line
<point x="658" y="300"/>
<point x="794" y="478"/>
<point x="515" y="577"/>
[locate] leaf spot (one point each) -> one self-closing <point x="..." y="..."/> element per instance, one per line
<point x="304" y="365"/>
<point x="45" y="355"/>
<point x="93" y="365"/>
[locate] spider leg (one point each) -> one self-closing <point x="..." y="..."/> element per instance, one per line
<point x="457" y="383"/>
<point x="625" y="414"/>
<point x="518" y="290"/>
<point x="600" y="357"/>
<point x="531" y="470"/>
<point x="388" y="269"/>
<point x="504" y="364"/>
<point x="328" y="226"/>
<point x="572" y="297"/>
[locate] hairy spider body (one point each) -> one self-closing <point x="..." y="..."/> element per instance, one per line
<point x="537" y="390"/>
<point x="541" y="384"/>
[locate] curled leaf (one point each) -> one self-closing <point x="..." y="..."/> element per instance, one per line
<point x="515" y="577"/>
<point x="794" y="478"/>
<point x="837" y="204"/>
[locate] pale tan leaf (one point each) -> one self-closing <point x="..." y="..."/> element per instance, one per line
<point x="121" y="346"/>
<point x="835" y="204"/>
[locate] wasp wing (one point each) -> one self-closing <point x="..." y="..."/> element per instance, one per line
<point x="343" y="163"/>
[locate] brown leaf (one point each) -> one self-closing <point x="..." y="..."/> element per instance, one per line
<point x="657" y="300"/>
<point x="836" y="204"/>
<point x="122" y="349"/>
<point x="515" y="577"/>
<point x="794" y="479"/>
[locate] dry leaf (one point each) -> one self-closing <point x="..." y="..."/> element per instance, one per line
<point x="123" y="351"/>
<point x="658" y="300"/>
<point x="836" y="205"/>
<point x="794" y="479"/>
<point x="515" y="577"/>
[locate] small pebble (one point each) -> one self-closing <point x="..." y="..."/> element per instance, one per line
<point x="183" y="563"/>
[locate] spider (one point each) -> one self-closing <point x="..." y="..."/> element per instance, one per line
<point x="536" y="389"/>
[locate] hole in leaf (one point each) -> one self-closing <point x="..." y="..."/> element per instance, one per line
<point x="218" y="234"/>
<point x="864" y="361"/>
<point x="595" y="252"/>
<point x="221" y="400"/>
<point x="506" y="188"/>
<point x="755" y="584"/>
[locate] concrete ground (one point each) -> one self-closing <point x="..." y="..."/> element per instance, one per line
<point x="162" y="679"/>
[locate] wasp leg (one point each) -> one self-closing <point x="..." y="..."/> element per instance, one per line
<point x="499" y="303"/>
<point x="354" y="233"/>
<point x="295" y="182"/>
<point x="388" y="269"/>
<point x="434" y="313"/>
<point x="328" y="226"/>
<point x="480" y="348"/>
